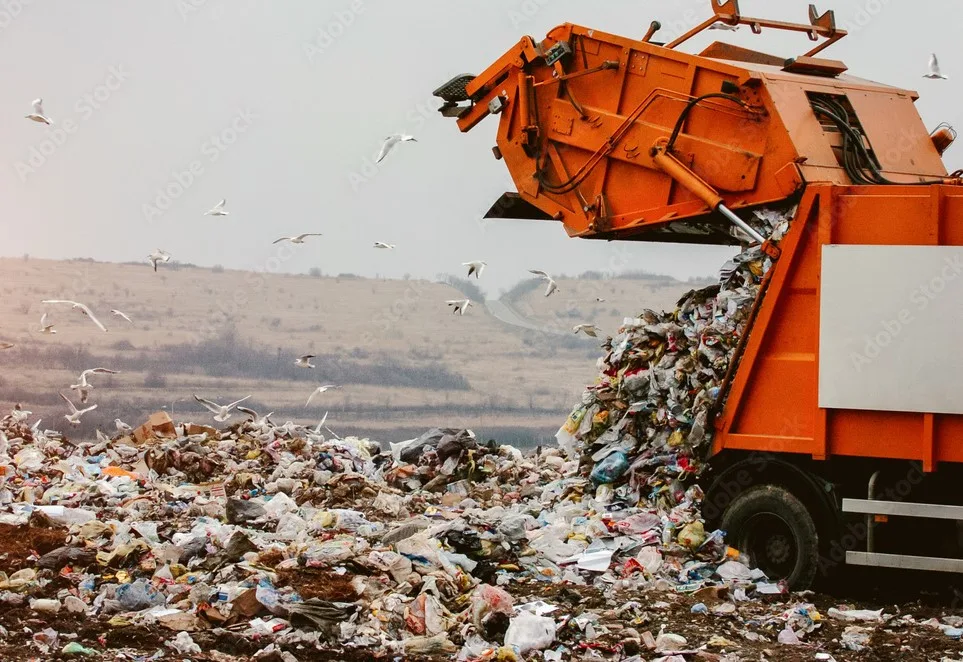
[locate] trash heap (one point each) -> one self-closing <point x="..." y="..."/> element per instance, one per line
<point x="644" y="427"/>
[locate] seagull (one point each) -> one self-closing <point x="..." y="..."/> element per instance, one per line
<point x="158" y="256"/>
<point x="38" y="115"/>
<point x="74" y="416"/>
<point x="221" y="412"/>
<point x="320" y="389"/>
<point x="723" y="26"/>
<point x="83" y="386"/>
<point x="934" y="69"/>
<point x="82" y="308"/>
<point x="44" y="327"/>
<point x="259" y="421"/>
<point x="600" y="299"/>
<point x="121" y="426"/>
<point x="475" y="267"/>
<point x="381" y="244"/>
<point x="317" y="430"/>
<point x="18" y="414"/>
<point x="6" y="345"/>
<point x="459" y="306"/>
<point x="218" y="209"/>
<point x="119" y="313"/>
<point x="552" y="287"/>
<point x="587" y="329"/>
<point x="305" y="361"/>
<point x="390" y="143"/>
<point x="297" y="239"/>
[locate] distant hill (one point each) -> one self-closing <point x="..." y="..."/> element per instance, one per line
<point x="405" y="362"/>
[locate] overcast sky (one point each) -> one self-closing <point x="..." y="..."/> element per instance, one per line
<point x="308" y="90"/>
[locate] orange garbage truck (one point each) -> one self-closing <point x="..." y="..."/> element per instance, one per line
<point x="838" y="431"/>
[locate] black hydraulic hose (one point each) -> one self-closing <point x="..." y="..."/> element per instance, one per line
<point x="850" y="138"/>
<point x="692" y="104"/>
<point x="862" y="155"/>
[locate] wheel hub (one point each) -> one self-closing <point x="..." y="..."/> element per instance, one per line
<point x="778" y="549"/>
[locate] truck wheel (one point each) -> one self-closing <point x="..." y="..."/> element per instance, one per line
<point x="776" y="532"/>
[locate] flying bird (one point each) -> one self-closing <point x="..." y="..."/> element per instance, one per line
<point x="305" y="361"/>
<point x="320" y="389"/>
<point x="723" y="26"/>
<point x="44" y="327"/>
<point x="121" y="426"/>
<point x="82" y="308"/>
<point x="317" y="430"/>
<point x="158" y="256"/>
<point x="475" y="267"/>
<point x="38" y="115"/>
<point x="121" y="314"/>
<point x="83" y="386"/>
<point x="297" y="239"/>
<point x="381" y="244"/>
<point x="74" y="416"/>
<point x="221" y="412"/>
<point x="218" y="209"/>
<point x="390" y="143"/>
<point x="551" y="287"/>
<point x="600" y="299"/>
<point x="460" y="306"/>
<point x="934" y="69"/>
<point x="258" y="420"/>
<point x="6" y="345"/>
<point x="587" y="329"/>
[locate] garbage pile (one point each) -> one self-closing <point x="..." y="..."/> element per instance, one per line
<point x="183" y="541"/>
<point x="643" y="428"/>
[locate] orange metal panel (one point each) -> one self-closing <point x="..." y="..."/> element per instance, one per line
<point x="772" y="402"/>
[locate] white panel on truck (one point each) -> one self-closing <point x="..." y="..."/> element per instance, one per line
<point x="891" y="328"/>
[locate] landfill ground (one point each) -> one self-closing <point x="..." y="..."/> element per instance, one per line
<point x="627" y="611"/>
<point x="887" y="643"/>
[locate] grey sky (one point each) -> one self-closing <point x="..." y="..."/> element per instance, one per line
<point x="309" y="119"/>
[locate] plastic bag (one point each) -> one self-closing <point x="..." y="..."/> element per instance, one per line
<point x="528" y="632"/>
<point x="183" y="644"/>
<point x="138" y="596"/>
<point x="610" y="469"/>
<point x="488" y="600"/>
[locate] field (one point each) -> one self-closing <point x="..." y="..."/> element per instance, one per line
<point x="404" y="361"/>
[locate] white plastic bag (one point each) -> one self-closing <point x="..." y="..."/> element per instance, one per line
<point x="528" y="632"/>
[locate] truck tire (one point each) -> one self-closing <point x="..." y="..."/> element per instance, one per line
<point x="775" y="531"/>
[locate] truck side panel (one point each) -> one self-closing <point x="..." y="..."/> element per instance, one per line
<point x="772" y="403"/>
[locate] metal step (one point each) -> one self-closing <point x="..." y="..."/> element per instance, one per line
<point x="903" y="509"/>
<point x="904" y="561"/>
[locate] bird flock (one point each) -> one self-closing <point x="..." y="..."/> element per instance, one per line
<point x="221" y="412"/>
